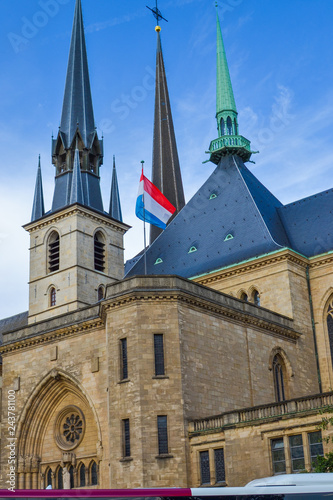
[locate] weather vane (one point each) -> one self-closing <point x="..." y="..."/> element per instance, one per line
<point x="157" y="14"/>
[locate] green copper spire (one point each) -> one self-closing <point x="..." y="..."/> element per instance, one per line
<point x="229" y="141"/>
<point x="225" y="101"/>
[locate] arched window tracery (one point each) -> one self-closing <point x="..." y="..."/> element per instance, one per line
<point x="99" y="252"/>
<point x="279" y="370"/>
<point x="222" y="126"/>
<point x="82" y="475"/>
<point x="329" y="321"/>
<point x="53" y="252"/>
<point x="229" y="126"/>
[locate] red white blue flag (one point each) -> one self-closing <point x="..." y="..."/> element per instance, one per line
<point x="151" y="205"/>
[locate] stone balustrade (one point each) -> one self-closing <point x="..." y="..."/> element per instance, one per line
<point x="263" y="412"/>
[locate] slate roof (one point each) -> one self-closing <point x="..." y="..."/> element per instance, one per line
<point x="233" y="204"/>
<point x="309" y="223"/>
<point x="13" y="323"/>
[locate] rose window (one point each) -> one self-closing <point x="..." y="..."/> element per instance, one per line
<point x="69" y="428"/>
<point x="73" y="428"/>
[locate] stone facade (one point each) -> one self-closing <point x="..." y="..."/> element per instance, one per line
<point x="218" y="353"/>
<point x="246" y="438"/>
<point x="76" y="282"/>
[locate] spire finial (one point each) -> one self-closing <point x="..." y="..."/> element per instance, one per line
<point x="38" y="203"/>
<point x="115" y="206"/>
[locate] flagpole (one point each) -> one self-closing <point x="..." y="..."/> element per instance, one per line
<point x="144" y="224"/>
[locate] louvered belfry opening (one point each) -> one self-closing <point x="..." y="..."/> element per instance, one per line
<point x="54" y="252"/>
<point x="99" y="252"/>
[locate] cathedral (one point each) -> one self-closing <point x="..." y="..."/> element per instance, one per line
<point x="205" y="360"/>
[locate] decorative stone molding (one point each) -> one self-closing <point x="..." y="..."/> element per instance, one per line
<point x="75" y="210"/>
<point x="251" y="265"/>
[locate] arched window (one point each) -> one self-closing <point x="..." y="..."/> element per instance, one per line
<point x="53" y="297"/>
<point x="229" y="126"/>
<point x="54" y="252"/>
<point x="60" y="483"/>
<point x="278" y="375"/>
<point x="256" y="298"/>
<point x="49" y="477"/>
<point x="100" y="293"/>
<point x="71" y="476"/>
<point x="99" y="252"/>
<point x="244" y="297"/>
<point x="222" y="126"/>
<point x="82" y="475"/>
<point x="236" y="128"/>
<point x="93" y="474"/>
<point x="330" y="326"/>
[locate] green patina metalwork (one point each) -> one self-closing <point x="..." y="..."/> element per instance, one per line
<point x="225" y="101"/>
<point x="229" y="141"/>
<point x="192" y="249"/>
<point x="158" y="261"/>
<point x="228" y="237"/>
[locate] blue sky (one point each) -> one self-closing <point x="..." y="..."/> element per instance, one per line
<point x="280" y="54"/>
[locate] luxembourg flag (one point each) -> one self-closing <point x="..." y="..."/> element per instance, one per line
<point x="151" y="205"/>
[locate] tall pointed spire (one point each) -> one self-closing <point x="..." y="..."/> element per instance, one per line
<point x="229" y="141"/>
<point x="76" y="189"/>
<point x="225" y="101"/>
<point x="115" y="207"/>
<point x="77" y="128"/>
<point x="77" y="106"/>
<point x="166" y="173"/>
<point x="38" y="205"/>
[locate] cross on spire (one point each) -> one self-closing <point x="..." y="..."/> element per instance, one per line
<point x="157" y="14"/>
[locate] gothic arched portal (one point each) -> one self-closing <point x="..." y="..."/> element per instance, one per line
<point x="52" y="433"/>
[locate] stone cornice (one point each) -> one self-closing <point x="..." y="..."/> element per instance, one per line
<point x="251" y="265"/>
<point x="321" y="260"/>
<point x="151" y="289"/>
<point x="75" y="210"/>
<point x="179" y="290"/>
<point x="82" y="321"/>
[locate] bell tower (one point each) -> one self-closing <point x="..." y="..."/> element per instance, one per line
<point x="76" y="248"/>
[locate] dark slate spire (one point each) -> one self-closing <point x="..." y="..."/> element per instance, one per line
<point x="77" y="129"/>
<point x="38" y="205"/>
<point x="76" y="190"/>
<point x="77" y="106"/>
<point x="115" y="207"/>
<point x="166" y="173"/>
<point x="229" y="141"/>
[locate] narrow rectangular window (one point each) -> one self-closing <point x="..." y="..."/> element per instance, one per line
<point x="316" y="446"/>
<point x="162" y="431"/>
<point x="278" y="456"/>
<point x="204" y="467"/>
<point x="219" y="465"/>
<point x="296" y="453"/>
<point x="123" y="359"/>
<point x="126" y="438"/>
<point x="159" y="354"/>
